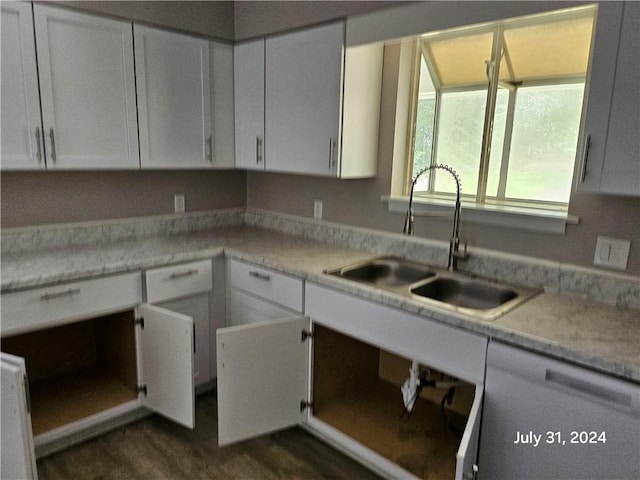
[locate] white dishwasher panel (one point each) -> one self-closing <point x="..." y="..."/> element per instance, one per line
<point x="545" y="419"/>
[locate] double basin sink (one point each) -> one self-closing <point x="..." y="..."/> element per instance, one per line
<point x="483" y="299"/>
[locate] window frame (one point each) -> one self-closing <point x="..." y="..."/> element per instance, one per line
<point x="480" y="197"/>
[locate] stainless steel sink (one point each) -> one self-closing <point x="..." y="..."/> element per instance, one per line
<point x="387" y="271"/>
<point x="465" y="292"/>
<point x="456" y="291"/>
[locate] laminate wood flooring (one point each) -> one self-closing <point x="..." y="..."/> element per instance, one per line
<point x="155" y="448"/>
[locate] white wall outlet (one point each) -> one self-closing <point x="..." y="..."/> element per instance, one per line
<point x="612" y="253"/>
<point x="317" y="209"/>
<point x="178" y="202"/>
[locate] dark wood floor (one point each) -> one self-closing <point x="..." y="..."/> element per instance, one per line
<point x="155" y="448"/>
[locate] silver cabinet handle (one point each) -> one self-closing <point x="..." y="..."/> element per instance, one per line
<point x="332" y="153"/>
<point x="258" y="149"/>
<point x="64" y="293"/>
<point x="210" y="145"/>
<point x="186" y="273"/>
<point x="39" y="145"/>
<point x="259" y="276"/>
<point x="585" y="158"/>
<point x="53" y="144"/>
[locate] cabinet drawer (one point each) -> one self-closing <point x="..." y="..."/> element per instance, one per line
<point x="178" y="281"/>
<point x="40" y="307"/>
<point x="272" y="286"/>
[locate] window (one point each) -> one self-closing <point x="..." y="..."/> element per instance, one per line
<point x="502" y="105"/>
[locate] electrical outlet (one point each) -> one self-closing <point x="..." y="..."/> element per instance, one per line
<point x="178" y="202"/>
<point x="612" y="253"/>
<point x="317" y="209"/>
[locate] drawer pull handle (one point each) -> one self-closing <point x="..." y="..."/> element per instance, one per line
<point x="64" y="293"/>
<point x="259" y="276"/>
<point x="186" y="273"/>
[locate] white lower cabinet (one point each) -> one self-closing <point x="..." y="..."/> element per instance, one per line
<point x="339" y="370"/>
<point x="92" y="369"/>
<point x="187" y="289"/>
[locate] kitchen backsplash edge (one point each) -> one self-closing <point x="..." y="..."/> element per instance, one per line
<point x="51" y="237"/>
<point x="607" y="287"/>
<point x="603" y="286"/>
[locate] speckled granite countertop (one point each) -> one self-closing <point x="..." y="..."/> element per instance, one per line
<point x="603" y="337"/>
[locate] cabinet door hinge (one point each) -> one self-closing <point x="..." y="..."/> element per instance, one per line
<point x="139" y="321"/>
<point x="142" y="389"/>
<point x="306" y="334"/>
<point x="304" y="405"/>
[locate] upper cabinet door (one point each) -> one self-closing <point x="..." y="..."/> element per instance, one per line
<point x="18" y="457"/>
<point x="22" y="146"/>
<point x="303" y="98"/>
<point x="87" y="90"/>
<point x="601" y="118"/>
<point x="174" y="99"/>
<point x="621" y="171"/>
<point x="248" y="79"/>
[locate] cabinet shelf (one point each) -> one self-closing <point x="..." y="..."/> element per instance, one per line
<point x="77" y="370"/>
<point x="357" y="391"/>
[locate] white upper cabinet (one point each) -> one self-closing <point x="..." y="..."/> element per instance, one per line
<point x="621" y="171"/>
<point x="174" y="99"/>
<point x="22" y="146"/>
<point x="87" y="90"/>
<point x="248" y="78"/>
<point x="314" y="89"/>
<point x="609" y="147"/>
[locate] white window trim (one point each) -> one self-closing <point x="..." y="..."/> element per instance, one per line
<point x="522" y="218"/>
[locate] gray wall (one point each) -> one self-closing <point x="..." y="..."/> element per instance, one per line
<point x="256" y="18"/>
<point x="58" y="197"/>
<point x="357" y="202"/>
<point x="212" y="19"/>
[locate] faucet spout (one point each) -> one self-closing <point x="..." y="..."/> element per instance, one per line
<point x="454" y="241"/>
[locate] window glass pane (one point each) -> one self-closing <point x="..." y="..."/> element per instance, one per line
<point x="549" y="50"/>
<point x="425" y="111"/>
<point x="460" y="139"/>
<point x="543" y="148"/>
<point x="460" y="60"/>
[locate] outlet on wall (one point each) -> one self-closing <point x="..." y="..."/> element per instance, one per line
<point x="317" y="209"/>
<point x="178" y="202"/>
<point x="612" y="253"/>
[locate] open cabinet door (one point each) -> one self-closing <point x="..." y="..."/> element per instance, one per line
<point x="263" y="371"/>
<point x="166" y="340"/>
<point x="18" y="457"/>
<point x="467" y="456"/>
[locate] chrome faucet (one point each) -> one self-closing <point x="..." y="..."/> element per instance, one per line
<point x="454" y="241"/>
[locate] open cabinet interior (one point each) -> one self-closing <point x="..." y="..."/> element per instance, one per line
<point x="79" y="369"/>
<point x="356" y="389"/>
